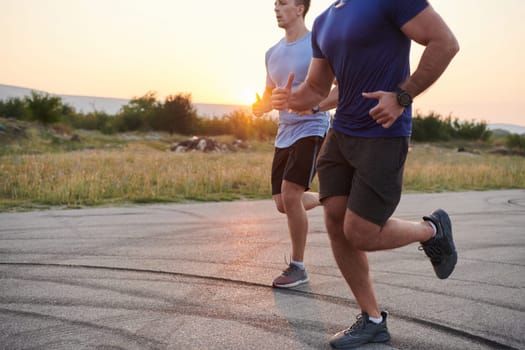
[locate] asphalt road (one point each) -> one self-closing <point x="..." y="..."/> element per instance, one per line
<point x="197" y="276"/>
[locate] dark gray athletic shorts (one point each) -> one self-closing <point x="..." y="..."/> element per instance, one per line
<point x="296" y="163"/>
<point x="367" y="170"/>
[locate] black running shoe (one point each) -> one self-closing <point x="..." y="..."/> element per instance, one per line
<point x="441" y="249"/>
<point x="363" y="331"/>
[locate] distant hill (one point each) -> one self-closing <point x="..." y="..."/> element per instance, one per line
<point x="513" y="129"/>
<point x="87" y="104"/>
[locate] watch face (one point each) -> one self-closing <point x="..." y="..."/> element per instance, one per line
<point x="404" y="99"/>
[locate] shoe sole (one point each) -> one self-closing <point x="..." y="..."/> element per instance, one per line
<point x="382" y="337"/>
<point x="452" y="259"/>
<point x="290" y="285"/>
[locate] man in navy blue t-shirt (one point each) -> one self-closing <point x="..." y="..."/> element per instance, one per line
<point x="365" y="45"/>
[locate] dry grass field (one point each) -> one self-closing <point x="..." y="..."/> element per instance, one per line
<point x="139" y="173"/>
<point x="431" y="168"/>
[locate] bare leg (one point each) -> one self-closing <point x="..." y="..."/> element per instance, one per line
<point x="352" y="262"/>
<point x="292" y="195"/>
<point x="310" y="200"/>
<point x="351" y="236"/>
<point x="294" y="202"/>
<point x="395" y="233"/>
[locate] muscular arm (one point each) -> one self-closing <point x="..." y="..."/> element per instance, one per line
<point x="429" y="30"/>
<point x="315" y="88"/>
<point x="327" y="104"/>
<point x="330" y="101"/>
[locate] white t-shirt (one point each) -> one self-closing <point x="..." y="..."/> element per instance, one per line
<point x="282" y="59"/>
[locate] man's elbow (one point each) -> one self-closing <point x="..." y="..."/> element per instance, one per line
<point x="317" y="89"/>
<point x="453" y="46"/>
<point x="324" y="94"/>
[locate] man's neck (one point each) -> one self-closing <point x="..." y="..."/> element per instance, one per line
<point x="295" y="33"/>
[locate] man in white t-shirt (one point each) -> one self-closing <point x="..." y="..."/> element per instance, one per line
<point x="299" y="136"/>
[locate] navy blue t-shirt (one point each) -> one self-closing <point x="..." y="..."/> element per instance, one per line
<point x="367" y="51"/>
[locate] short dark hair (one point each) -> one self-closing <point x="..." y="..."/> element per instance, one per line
<point x="305" y="3"/>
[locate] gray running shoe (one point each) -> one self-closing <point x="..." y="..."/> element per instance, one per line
<point x="363" y="331"/>
<point x="441" y="249"/>
<point x="291" y="277"/>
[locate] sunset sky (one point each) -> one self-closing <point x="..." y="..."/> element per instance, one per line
<point x="214" y="50"/>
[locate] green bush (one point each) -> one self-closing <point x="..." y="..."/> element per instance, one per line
<point x="434" y="127"/>
<point x="241" y="124"/>
<point x="515" y="141"/>
<point x="137" y="113"/>
<point x="430" y="128"/>
<point x="13" y="107"/>
<point x="175" y="115"/>
<point x="93" y="121"/>
<point x="471" y="130"/>
<point x="44" y="107"/>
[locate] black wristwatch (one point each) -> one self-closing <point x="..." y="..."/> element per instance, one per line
<point x="403" y="97"/>
<point x="315" y="109"/>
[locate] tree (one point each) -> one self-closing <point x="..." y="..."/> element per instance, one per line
<point x="13" y="107"/>
<point x="137" y="113"/>
<point x="429" y="128"/>
<point x="515" y="141"/>
<point x="240" y="124"/>
<point x="44" y="108"/>
<point x="96" y="120"/>
<point x="472" y="130"/>
<point x="177" y="115"/>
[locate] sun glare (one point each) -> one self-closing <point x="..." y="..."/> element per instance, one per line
<point x="247" y="97"/>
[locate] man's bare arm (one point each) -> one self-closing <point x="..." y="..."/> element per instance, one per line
<point x="331" y="100"/>
<point x="316" y="87"/>
<point x="312" y="91"/>
<point x="429" y="30"/>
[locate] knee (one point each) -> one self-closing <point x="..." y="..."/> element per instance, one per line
<point x="280" y="207"/>
<point x="334" y="218"/>
<point x="334" y="227"/>
<point x="290" y="201"/>
<point x="279" y="203"/>
<point x="358" y="233"/>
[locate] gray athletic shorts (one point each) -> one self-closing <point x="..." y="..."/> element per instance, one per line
<point x="367" y="170"/>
